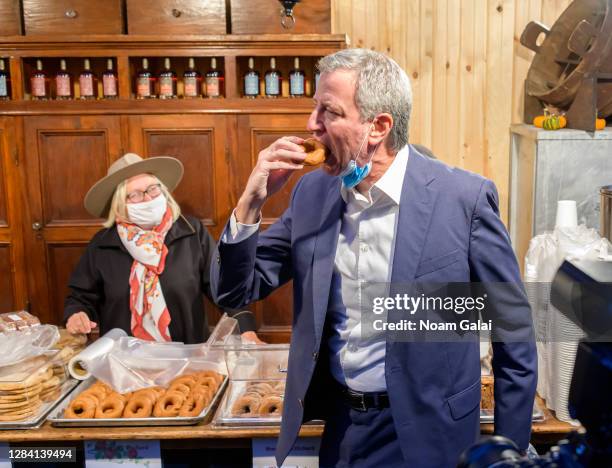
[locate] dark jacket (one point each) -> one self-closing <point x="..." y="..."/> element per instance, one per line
<point x="99" y="285"/>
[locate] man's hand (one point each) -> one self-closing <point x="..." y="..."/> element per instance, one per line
<point x="80" y="323"/>
<point x="275" y="164"/>
<point x="251" y="337"/>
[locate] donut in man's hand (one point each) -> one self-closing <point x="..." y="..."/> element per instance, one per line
<point x="316" y="152"/>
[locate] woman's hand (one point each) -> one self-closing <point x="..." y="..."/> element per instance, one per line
<point x="80" y="323"/>
<point x="251" y="337"/>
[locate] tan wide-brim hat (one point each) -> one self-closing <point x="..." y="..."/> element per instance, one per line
<point x="167" y="169"/>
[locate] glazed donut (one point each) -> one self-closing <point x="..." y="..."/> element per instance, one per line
<point x="209" y="382"/>
<point x="188" y="380"/>
<point x="262" y="388"/>
<point x="181" y="388"/>
<point x="193" y="405"/>
<point x="246" y="406"/>
<point x="82" y="407"/>
<point x="111" y="407"/>
<point x="215" y="375"/>
<point x="204" y="392"/>
<point x="148" y="393"/>
<point x="98" y="392"/>
<point x="316" y="152"/>
<point x="271" y="406"/>
<point x="169" y="405"/>
<point x="138" y="406"/>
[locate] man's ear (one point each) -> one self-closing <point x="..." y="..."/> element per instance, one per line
<point x="381" y="127"/>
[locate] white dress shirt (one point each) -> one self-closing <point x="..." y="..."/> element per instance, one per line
<point x="364" y="254"/>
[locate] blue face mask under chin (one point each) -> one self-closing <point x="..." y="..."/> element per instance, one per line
<point x="353" y="174"/>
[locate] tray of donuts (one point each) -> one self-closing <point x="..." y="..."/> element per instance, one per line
<point x="188" y="399"/>
<point x="248" y="403"/>
<point x="30" y="389"/>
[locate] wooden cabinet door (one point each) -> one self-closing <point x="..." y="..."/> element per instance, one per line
<point x="12" y="271"/>
<point x="256" y="132"/>
<point x="65" y="156"/>
<point x="198" y="141"/>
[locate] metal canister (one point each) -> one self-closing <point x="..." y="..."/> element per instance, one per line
<point x="606" y="212"/>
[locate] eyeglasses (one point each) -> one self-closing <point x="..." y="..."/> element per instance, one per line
<point x="137" y="196"/>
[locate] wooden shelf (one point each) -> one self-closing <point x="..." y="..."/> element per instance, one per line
<point x="259" y="105"/>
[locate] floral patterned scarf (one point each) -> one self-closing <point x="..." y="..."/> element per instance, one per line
<point x="150" y="315"/>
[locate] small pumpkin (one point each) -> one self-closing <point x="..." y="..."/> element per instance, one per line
<point x="600" y="124"/>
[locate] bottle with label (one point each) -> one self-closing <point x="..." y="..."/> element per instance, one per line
<point x="40" y="85"/>
<point x="214" y="80"/>
<point x="88" y="84"/>
<point x="273" y="80"/>
<point x="192" y="81"/>
<point x="167" y="82"/>
<point x="251" y="81"/>
<point x="296" y="80"/>
<point x="5" y="83"/>
<point x="109" y="81"/>
<point x="63" y="82"/>
<point x="145" y="82"/>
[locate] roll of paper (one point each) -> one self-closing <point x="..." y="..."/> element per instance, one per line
<point x="79" y="364"/>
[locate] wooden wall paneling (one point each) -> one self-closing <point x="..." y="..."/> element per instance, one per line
<point x="12" y="266"/>
<point x="263" y="17"/>
<point x="72" y="17"/>
<point x="176" y="17"/>
<point x="62" y="258"/>
<point x="198" y="142"/>
<point x="434" y="41"/>
<point x="10" y="18"/>
<point x="498" y="109"/>
<point x="7" y="295"/>
<point x="64" y="156"/>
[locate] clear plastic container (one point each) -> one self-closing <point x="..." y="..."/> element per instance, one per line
<point x="256" y="388"/>
<point x="30" y="389"/>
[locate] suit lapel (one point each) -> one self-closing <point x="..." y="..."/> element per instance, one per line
<point x="325" y="246"/>
<point x="416" y="207"/>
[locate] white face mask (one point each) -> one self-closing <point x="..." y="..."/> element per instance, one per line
<point x="147" y="214"/>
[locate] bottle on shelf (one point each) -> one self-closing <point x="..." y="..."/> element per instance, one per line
<point x="5" y="83"/>
<point x="251" y="81"/>
<point x="167" y="82"/>
<point x="316" y="79"/>
<point x="63" y="82"/>
<point x="192" y="81"/>
<point x="296" y="80"/>
<point x="272" y="80"/>
<point x="40" y="85"/>
<point x="214" y="80"/>
<point x="145" y="82"/>
<point x="88" y="84"/>
<point x="109" y="81"/>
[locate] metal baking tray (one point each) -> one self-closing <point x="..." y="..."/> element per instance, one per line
<point x="224" y="418"/>
<point x="36" y="421"/>
<point x="486" y="415"/>
<point x="57" y="417"/>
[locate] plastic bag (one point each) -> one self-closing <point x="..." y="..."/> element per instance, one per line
<point x="556" y="336"/>
<point x="17" y="346"/>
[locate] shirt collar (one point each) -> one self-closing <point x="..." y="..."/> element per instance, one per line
<point x="390" y="184"/>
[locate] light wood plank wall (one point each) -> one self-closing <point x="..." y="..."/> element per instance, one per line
<point x="467" y="68"/>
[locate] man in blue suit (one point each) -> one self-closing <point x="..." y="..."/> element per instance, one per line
<point x="378" y="211"/>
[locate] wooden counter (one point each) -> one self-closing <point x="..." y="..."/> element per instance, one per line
<point x="548" y="431"/>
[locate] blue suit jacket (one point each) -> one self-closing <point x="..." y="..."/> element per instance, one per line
<point x="448" y="230"/>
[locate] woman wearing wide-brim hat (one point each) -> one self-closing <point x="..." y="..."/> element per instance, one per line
<point x="148" y="269"/>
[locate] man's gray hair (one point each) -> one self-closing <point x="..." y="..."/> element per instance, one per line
<point x="381" y="86"/>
